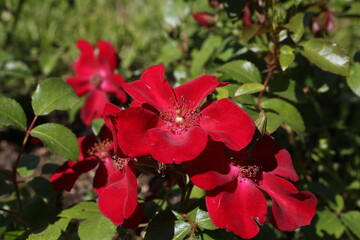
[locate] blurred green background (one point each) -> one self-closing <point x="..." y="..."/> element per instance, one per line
<point x="37" y="40"/>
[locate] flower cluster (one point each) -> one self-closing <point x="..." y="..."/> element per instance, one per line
<point x="210" y="139"/>
<point x="95" y="77"/>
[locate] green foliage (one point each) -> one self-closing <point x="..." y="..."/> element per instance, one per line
<point x="12" y="114"/>
<point x="288" y="113"/>
<point x="281" y="36"/>
<point x="351" y="219"/>
<point x="27" y="165"/>
<point x="95" y="225"/>
<point x="52" y="232"/>
<point x="354" y="78"/>
<point x="58" y="139"/>
<point x="204" y="54"/>
<point x="249" y="88"/>
<point x="296" y="26"/>
<point x="286" y="57"/>
<point x="53" y="94"/>
<point x="161" y="226"/>
<point x="242" y="71"/>
<point x="327" y="55"/>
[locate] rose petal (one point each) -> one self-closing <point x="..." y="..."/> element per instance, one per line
<point x="135" y="219"/>
<point x="177" y="148"/>
<point x="105" y="175"/>
<point x="118" y="201"/>
<point x="274" y="159"/>
<point x="81" y="85"/>
<point x="112" y="84"/>
<point x="152" y="88"/>
<point x="237" y="207"/>
<point x="85" y="144"/>
<point x="228" y="123"/>
<point x="66" y="175"/>
<point x="93" y="106"/>
<point x="204" y="19"/>
<point x="86" y="64"/>
<point x="290" y="208"/>
<point x="112" y="201"/>
<point x="130" y="128"/>
<point x="196" y="90"/>
<point x="212" y="168"/>
<point x="107" y="55"/>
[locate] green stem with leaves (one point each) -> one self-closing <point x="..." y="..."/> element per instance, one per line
<point x="16" y="165"/>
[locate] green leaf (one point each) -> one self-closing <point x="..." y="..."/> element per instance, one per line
<point x="49" y="60"/>
<point x="197" y="192"/>
<point x="338" y="205"/>
<point x="42" y="187"/>
<point x="53" y="94"/>
<point x="354" y="78"/>
<point x="286" y="88"/>
<point x="273" y="121"/>
<point x="296" y="25"/>
<point x="351" y="220"/>
<point x="329" y="223"/>
<point x="249" y="88"/>
<point x="161" y="227"/>
<point x="260" y="122"/>
<point x="82" y="210"/>
<point x="96" y="125"/>
<point x="13" y="235"/>
<point x="169" y="52"/>
<point x="181" y="229"/>
<point x="203" y="220"/>
<point x="288" y="113"/>
<point x="58" y="139"/>
<point x="97" y="227"/>
<point x="286" y="57"/>
<point x="12" y="114"/>
<point x="222" y="92"/>
<point x="201" y="57"/>
<point x="327" y="55"/>
<point x="52" y="232"/>
<point x="72" y="113"/>
<point x="17" y="69"/>
<point x="242" y="71"/>
<point x="249" y="31"/>
<point x="27" y="165"/>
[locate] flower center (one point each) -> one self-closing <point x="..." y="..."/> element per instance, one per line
<point x="96" y="79"/>
<point x="101" y="150"/>
<point x="120" y="163"/>
<point x="179" y="117"/>
<point x="248" y="166"/>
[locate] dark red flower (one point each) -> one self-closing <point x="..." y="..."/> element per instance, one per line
<point x="170" y="126"/>
<point x="205" y="19"/>
<point x="94" y="76"/>
<point x="114" y="182"/>
<point x="235" y="183"/>
<point x="246" y="14"/>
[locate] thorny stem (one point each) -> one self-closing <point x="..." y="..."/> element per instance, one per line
<point x="15" y="167"/>
<point x="193" y="225"/>
<point x="271" y="69"/>
<point x="273" y="61"/>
